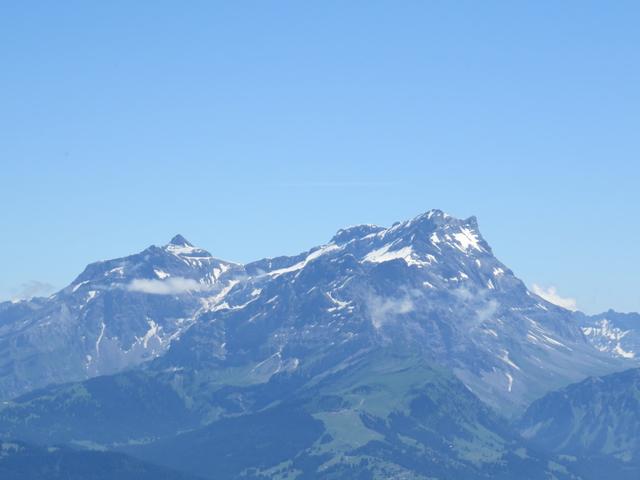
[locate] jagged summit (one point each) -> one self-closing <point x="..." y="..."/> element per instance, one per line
<point x="433" y="226"/>
<point x="434" y="213"/>
<point x="180" y="241"/>
<point x="347" y="234"/>
<point x="435" y="218"/>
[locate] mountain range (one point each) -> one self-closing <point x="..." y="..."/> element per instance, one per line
<point x="407" y="351"/>
<point x="596" y="420"/>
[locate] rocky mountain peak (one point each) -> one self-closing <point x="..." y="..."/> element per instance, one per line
<point x="180" y="241"/>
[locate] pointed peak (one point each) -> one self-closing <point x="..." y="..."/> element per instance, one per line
<point x="180" y="241"/>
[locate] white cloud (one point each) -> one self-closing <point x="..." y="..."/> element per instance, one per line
<point x="487" y="311"/>
<point x="169" y="286"/>
<point x="485" y="308"/>
<point x="550" y="294"/>
<point x="384" y="309"/>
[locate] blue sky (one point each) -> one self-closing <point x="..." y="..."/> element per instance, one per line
<point x="260" y="128"/>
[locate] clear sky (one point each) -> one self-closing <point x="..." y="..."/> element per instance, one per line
<point x="260" y="128"/>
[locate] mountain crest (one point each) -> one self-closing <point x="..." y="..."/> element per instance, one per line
<point x="427" y="221"/>
<point x="435" y="218"/>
